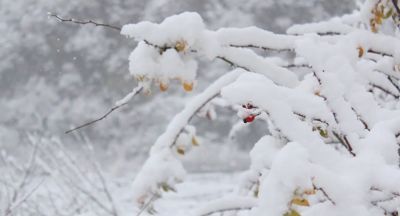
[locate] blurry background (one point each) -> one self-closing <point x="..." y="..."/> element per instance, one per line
<point x="57" y="75"/>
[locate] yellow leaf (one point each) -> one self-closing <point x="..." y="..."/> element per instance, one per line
<point x="300" y="201"/>
<point x="188" y="86"/>
<point x="292" y="212"/>
<point x="194" y="141"/>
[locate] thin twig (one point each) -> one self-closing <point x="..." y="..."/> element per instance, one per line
<point x="134" y="92"/>
<point x="24" y="181"/>
<point x="379" y="53"/>
<point x="297" y="66"/>
<point x="26" y="197"/>
<point x="359" y="117"/>
<point x="393" y="83"/>
<point x="105" y="189"/>
<point x="385" y="90"/>
<point x="396" y="7"/>
<point x="232" y="63"/>
<point x="155" y="195"/>
<point x="92" y="197"/>
<point x="260" y="47"/>
<point x="95" y="120"/>
<point x="325" y="193"/>
<point x="83" y="22"/>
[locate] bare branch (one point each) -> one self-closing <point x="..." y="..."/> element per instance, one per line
<point x="133" y="93"/>
<point x="379" y="53"/>
<point x="297" y="66"/>
<point x="384" y="90"/>
<point x="394" y="2"/>
<point x="105" y="189"/>
<point x="324" y="33"/>
<point x="93" y="198"/>
<point x="23" y="182"/>
<point x="324" y="193"/>
<point x="154" y="197"/>
<point x="24" y="198"/>
<point x="393" y="82"/>
<point x="232" y="63"/>
<point x="259" y="47"/>
<point x="83" y="22"/>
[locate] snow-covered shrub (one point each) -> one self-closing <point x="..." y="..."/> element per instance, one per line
<point x="330" y="104"/>
<point x="48" y="180"/>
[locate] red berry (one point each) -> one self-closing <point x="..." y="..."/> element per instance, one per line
<point x="249" y="118"/>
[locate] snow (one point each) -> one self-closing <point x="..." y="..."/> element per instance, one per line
<point x="258" y="38"/>
<point x="231" y="203"/>
<point x="129" y="96"/>
<point x="164" y="150"/>
<point x="324" y="96"/>
<point x="328" y="129"/>
<point x="330" y="102"/>
<point x="333" y="26"/>
<point x="190" y="28"/>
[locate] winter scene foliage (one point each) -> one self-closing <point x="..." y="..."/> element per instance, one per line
<point x="219" y="119"/>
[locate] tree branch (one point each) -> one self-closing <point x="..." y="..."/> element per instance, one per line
<point x="83" y="22"/>
<point x="396" y="7"/>
<point x="153" y="197"/>
<point x="385" y="90"/>
<point x="325" y="194"/>
<point x="119" y="105"/>
<point x="259" y="47"/>
<point x="27" y="173"/>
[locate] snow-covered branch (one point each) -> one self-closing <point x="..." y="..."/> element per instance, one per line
<point x="330" y="105"/>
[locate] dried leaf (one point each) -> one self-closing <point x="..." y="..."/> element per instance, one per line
<point x="292" y="212"/>
<point x="388" y="14"/>
<point x="323" y="133"/>
<point x="195" y="142"/>
<point x="360" y="51"/>
<point x="180" y="151"/>
<point x="188" y="86"/>
<point x="166" y="187"/>
<point x="163" y="86"/>
<point x="310" y="192"/>
<point x="300" y="201"/>
<point x="180" y="45"/>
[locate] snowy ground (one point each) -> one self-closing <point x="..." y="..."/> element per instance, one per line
<point x="198" y="189"/>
